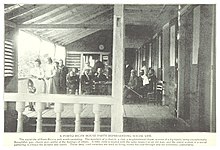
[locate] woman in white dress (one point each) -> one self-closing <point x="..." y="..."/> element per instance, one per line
<point x="49" y="77"/>
<point x="37" y="76"/>
<point x="36" y="83"/>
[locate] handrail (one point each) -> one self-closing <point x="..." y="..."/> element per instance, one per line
<point x="59" y="98"/>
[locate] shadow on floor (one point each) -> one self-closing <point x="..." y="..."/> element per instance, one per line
<point x="155" y="125"/>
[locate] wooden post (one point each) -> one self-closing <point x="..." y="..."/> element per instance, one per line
<point x="77" y="111"/>
<point x="39" y="109"/>
<point x="96" y="111"/>
<point x="58" y="109"/>
<point x="20" y="106"/>
<point x="213" y="74"/>
<point x="118" y="69"/>
<point x="5" y="105"/>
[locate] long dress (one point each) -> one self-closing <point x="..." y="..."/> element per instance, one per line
<point x="38" y="86"/>
<point x="37" y="75"/>
<point x="49" y="74"/>
<point x="56" y="78"/>
<point x="63" y="73"/>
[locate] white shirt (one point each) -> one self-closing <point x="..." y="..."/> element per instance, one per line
<point x="144" y="68"/>
<point x="37" y="72"/>
<point x="49" y="71"/>
<point x="145" y="79"/>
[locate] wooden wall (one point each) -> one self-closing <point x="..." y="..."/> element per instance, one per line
<point x="204" y="65"/>
<point x="91" y="43"/>
<point x="165" y="62"/>
<point x="185" y="48"/>
<point x="188" y="68"/>
<point x="196" y="49"/>
<point x="11" y="83"/>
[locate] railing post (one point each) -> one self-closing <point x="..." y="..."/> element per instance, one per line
<point x="20" y="107"/>
<point x="77" y="112"/>
<point x="39" y="109"/>
<point x="96" y="111"/>
<point x="58" y="110"/>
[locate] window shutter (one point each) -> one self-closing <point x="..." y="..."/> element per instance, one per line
<point x="73" y="60"/>
<point x="9" y="59"/>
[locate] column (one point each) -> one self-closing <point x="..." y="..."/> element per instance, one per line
<point x="58" y="109"/>
<point x="118" y="69"/>
<point x="39" y="109"/>
<point x="77" y="112"/>
<point x="20" y="106"/>
<point x="96" y="111"/>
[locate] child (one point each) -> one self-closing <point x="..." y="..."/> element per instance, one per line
<point x="31" y="89"/>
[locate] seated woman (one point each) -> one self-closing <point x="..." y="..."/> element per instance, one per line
<point x="99" y="76"/>
<point x="108" y="71"/>
<point x="72" y="81"/>
<point x="152" y="80"/>
<point x="31" y="89"/>
<point x="86" y="82"/>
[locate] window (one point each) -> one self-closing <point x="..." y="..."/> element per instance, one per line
<point x="172" y="45"/>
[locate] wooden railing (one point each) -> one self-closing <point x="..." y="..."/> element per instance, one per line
<point x="59" y="100"/>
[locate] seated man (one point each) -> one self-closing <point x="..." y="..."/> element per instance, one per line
<point x="86" y="82"/>
<point x="72" y="81"/>
<point x="152" y="80"/>
<point x="99" y="80"/>
<point x="131" y="89"/>
<point x="145" y="83"/>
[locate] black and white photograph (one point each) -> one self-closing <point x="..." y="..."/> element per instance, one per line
<point x="109" y="68"/>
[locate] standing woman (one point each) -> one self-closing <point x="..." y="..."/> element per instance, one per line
<point x="36" y="83"/>
<point x="49" y="76"/>
<point x="56" y="77"/>
<point x="63" y="73"/>
<point x="37" y="76"/>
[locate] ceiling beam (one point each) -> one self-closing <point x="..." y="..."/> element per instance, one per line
<point x="83" y="19"/>
<point x="72" y="34"/>
<point x="65" y="26"/>
<point x="10" y="24"/>
<point x="53" y="16"/>
<point x="13" y="7"/>
<point x="39" y="13"/>
<point x="68" y="35"/>
<point x="43" y="38"/>
<point x="27" y="9"/>
<point x="142" y="7"/>
<point x="79" y="36"/>
<point x="62" y="33"/>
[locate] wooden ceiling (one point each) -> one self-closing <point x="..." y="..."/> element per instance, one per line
<point x="65" y="23"/>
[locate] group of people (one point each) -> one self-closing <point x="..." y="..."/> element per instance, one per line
<point x="51" y="79"/>
<point x="96" y="80"/>
<point x="138" y="86"/>
<point x="55" y="78"/>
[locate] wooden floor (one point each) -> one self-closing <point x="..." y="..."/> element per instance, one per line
<point x="138" y="117"/>
<point x="130" y="111"/>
